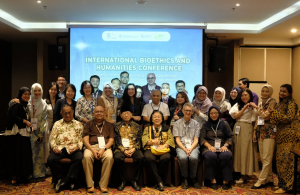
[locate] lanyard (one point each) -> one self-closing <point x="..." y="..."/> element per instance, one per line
<point x="89" y="103"/>
<point x="95" y="95"/>
<point x="33" y="111"/>
<point x="132" y="107"/>
<point x="27" y="115"/>
<point x="215" y="131"/>
<point x="100" y="131"/>
<point x="113" y="102"/>
<point x="158" y="106"/>
<point x="154" y="131"/>
<point x="176" y="111"/>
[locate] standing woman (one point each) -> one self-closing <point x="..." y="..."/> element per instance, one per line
<point x="265" y="135"/>
<point x="176" y="110"/>
<point x="245" y="156"/>
<point x="52" y="97"/>
<point x="233" y="97"/>
<point x="201" y="105"/>
<point x="38" y="113"/>
<point x="219" y="100"/>
<point x="18" y="133"/>
<point x="109" y="102"/>
<point x="287" y="138"/>
<point x="86" y="104"/>
<point x="134" y="105"/>
<point x="69" y="93"/>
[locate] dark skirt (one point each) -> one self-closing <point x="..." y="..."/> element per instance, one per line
<point x="19" y="156"/>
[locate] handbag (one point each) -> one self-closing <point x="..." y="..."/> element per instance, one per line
<point x="156" y="151"/>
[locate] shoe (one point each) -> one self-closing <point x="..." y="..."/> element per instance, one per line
<point x="279" y="191"/>
<point x="121" y="186"/>
<point x="240" y="181"/>
<point x="59" y="186"/>
<point x="258" y="187"/>
<point x="14" y="182"/>
<point x="196" y="183"/>
<point x="72" y="186"/>
<point x="184" y="184"/>
<point x="225" y="186"/>
<point x="91" y="190"/>
<point x="160" y="186"/>
<point x="135" y="186"/>
<point x="214" y="186"/>
<point x="104" y="190"/>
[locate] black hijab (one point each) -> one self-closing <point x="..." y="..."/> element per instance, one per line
<point x="213" y="123"/>
<point x="22" y="90"/>
<point x="231" y="101"/>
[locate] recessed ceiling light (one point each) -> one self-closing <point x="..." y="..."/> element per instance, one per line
<point x="294" y="30"/>
<point x="141" y="2"/>
<point x="39" y="1"/>
<point x="237" y="4"/>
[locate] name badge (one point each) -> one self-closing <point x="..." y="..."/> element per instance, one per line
<point x="218" y="144"/>
<point x="188" y="143"/>
<point x="260" y="121"/>
<point x="101" y="142"/>
<point x="237" y="129"/>
<point x="172" y="122"/>
<point x="125" y="143"/>
<point x="275" y="129"/>
<point x="114" y="117"/>
<point x="34" y="123"/>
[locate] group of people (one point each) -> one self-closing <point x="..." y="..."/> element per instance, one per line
<point x="146" y="123"/>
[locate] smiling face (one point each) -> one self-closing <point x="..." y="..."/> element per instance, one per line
<point x="25" y="96"/>
<point x="108" y="91"/>
<point x="155" y="97"/>
<point x="98" y="113"/>
<point x="124" y="78"/>
<point x="245" y="97"/>
<point x="126" y="116"/>
<point x="214" y="114"/>
<point x="283" y="93"/>
<point x="116" y="84"/>
<point x="53" y="91"/>
<point x="70" y="93"/>
<point x="61" y="81"/>
<point x="165" y="89"/>
<point x="180" y="99"/>
<point x="37" y="92"/>
<point x="138" y="93"/>
<point x="87" y="89"/>
<point x="218" y="96"/>
<point x="131" y="91"/>
<point x="67" y="113"/>
<point x="157" y="119"/>
<point x="202" y="95"/>
<point x="187" y="112"/>
<point x="180" y="87"/>
<point x="265" y="93"/>
<point x="233" y="94"/>
<point x="242" y="85"/>
<point x="95" y="82"/>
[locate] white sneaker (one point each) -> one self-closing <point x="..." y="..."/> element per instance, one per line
<point x="239" y="181"/>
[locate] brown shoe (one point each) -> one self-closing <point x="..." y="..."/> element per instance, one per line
<point x="91" y="190"/>
<point x="104" y="190"/>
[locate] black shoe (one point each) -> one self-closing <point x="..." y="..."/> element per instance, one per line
<point x="225" y="186"/>
<point x="15" y="182"/>
<point x="135" y="186"/>
<point x="160" y="186"/>
<point x="72" y="186"/>
<point x="121" y="186"/>
<point x="258" y="187"/>
<point x="184" y="184"/>
<point x="214" y="186"/>
<point x="59" y="186"/>
<point x="196" y="183"/>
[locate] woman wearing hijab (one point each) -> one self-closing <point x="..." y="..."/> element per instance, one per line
<point x="38" y="113"/>
<point x="219" y="101"/>
<point x="216" y="136"/>
<point x="287" y="138"/>
<point x="201" y="105"/>
<point x="233" y="97"/>
<point x="264" y="132"/>
<point x="109" y="102"/>
<point x="18" y="133"/>
<point x="245" y="156"/>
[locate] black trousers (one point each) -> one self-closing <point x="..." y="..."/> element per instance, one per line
<point x="162" y="166"/>
<point x="57" y="168"/>
<point x="138" y="159"/>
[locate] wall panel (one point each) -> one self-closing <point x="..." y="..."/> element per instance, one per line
<point x="252" y="63"/>
<point x="296" y="74"/>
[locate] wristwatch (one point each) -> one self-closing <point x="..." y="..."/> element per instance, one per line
<point x="226" y="145"/>
<point x="105" y="149"/>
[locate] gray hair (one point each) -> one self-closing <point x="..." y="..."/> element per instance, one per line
<point x="66" y="105"/>
<point x="188" y="104"/>
<point x="156" y="90"/>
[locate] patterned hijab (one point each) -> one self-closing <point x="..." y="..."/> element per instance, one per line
<point x="265" y="100"/>
<point x="111" y="96"/>
<point x="36" y="105"/>
<point x="203" y="105"/>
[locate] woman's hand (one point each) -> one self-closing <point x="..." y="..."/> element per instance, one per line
<point x="253" y="105"/>
<point x="136" y="118"/>
<point x="198" y="112"/>
<point x="16" y="100"/>
<point x="254" y="137"/>
<point x="156" y="141"/>
<point x="176" y="117"/>
<point x="223" y="149"/>
<point x="212" y="149"/>
<point x="28" y="124"/>
<point x="270" y="109"/>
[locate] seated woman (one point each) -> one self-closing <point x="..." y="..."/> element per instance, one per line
<point x="224" y="106"/>
<point x="109" y="102"/>
<point x="176" y="110"/>
<point x="216" y="136"/>
<point x="158" y="136"/>
<point x="129" y="100"/>
<point x="86" y="104"/>
<point x="18" y="132"/>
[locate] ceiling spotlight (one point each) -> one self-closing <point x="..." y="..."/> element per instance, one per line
<point x="39" y="1"/>
<point x="141" y="2"/>
<point x="237" y="4"/>
<point x="294" y="30"/>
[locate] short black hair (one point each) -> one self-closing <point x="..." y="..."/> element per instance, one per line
<point x="123" y="73"/>
<point x="62" y="76"/>
<point x="66" y="105"/>
<point x="82" y="86"/>
<point x="179" y="81"/>
<point x="115" y="79"/>
<point x="240" y="102"/>
<point x="162" y="116"/>
<point x="94" y="76"/>
<point x="245" y="81"/>
<point x="48" y="95"/>
<point x="72" y="87"/>
<point x="289" y="89"/>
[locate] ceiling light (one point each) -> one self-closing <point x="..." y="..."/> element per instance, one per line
<point x="39" y="1"/>
<point x="237" y="4"/>
<point x="141" y="2"/>
<point x="294" y="30"/>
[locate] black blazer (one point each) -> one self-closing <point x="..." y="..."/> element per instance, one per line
<point x="58" y="105"/>
<point x="16" y="115"/>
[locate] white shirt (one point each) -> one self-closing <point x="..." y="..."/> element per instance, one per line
<point x="248" y="116"/>
<point x="149" y="108"/>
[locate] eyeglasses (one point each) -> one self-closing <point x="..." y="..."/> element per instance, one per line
<point x="150" y="77"/>
<point x="188" y="110"/>
<point x="214" y="113"/>
<point x="233" y="92"/>
<point x="98" y="112"/>
<point x="61" y="80"/>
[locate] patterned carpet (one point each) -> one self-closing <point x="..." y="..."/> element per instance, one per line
<point x="43" y="186"/>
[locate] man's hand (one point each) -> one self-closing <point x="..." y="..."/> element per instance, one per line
<point x="73" y="150"/>
<point x="56" y="150"/>
<point x="100" y="152"/>
<point x="136" y="118"/>
<point x="127" y="153"/>
<point x="254" y="137"/>
<point x="96" y="154"/>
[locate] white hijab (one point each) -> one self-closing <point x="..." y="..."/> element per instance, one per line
<point x="39" y="104"/>
<point x="111" y="96"/>
<point x="224" y="106"/>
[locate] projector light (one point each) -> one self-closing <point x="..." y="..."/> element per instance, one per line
<point x="39" y="1"/>
<point x="142" y="2"/>
<point x="237" y="4"/>
<point x="294" y="30"/>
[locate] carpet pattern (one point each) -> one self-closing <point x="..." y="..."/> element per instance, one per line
<point x="43" y="186"/>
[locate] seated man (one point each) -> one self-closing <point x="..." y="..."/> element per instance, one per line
<point x="98" y="137"/>
<point x="66" y="142"/>
<point x="186" y="132"/>
<point x="128" y="137"/>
